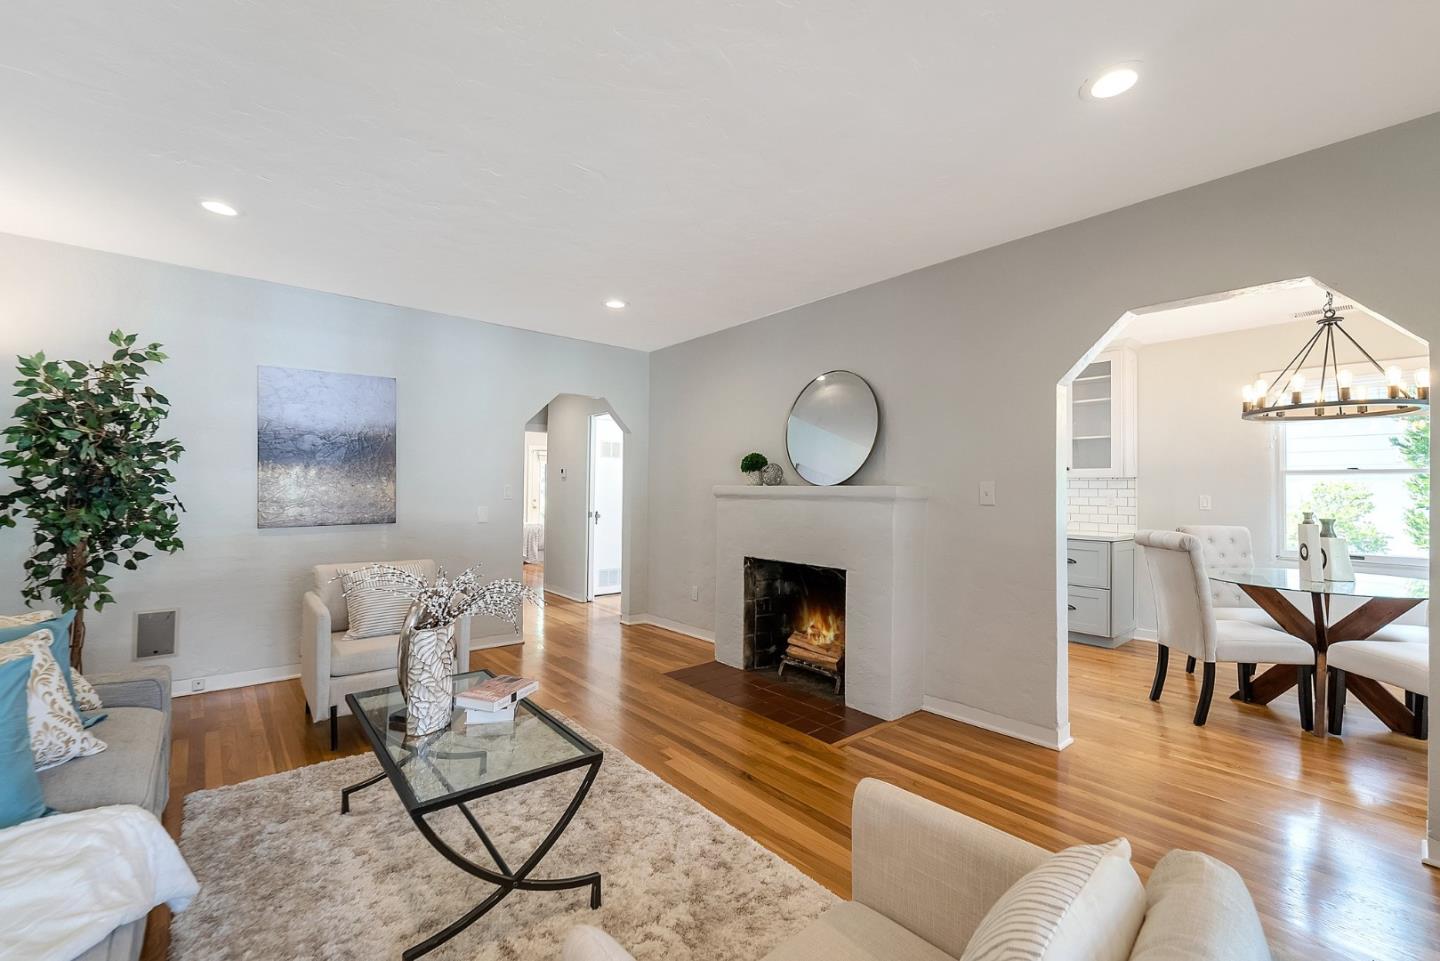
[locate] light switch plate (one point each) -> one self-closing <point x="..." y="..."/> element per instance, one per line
<point x="509" y="492"/>
<point x="694" y="592"/>
<point x="987" y="493"/>
<point x="482" y="515"/>
<point x="1205" y="502"/>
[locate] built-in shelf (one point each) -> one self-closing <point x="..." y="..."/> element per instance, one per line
<point x="1100" y="415"/>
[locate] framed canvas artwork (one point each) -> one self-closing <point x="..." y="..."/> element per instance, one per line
<point x="325" y="445"/>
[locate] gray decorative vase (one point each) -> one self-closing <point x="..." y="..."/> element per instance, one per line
<point x="426" y="672"/>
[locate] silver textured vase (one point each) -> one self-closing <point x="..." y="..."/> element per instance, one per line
<point x="426" y="672"/>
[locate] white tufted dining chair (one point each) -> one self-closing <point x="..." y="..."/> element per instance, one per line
<point x="1185" y="618"/>
<point x="1228" y="546"/>
<point x="1401" y="660"/>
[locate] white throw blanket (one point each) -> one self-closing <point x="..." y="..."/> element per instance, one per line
<point x="68" y="880"/>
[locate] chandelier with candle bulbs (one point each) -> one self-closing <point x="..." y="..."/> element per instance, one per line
<point x="1336" y="396"/>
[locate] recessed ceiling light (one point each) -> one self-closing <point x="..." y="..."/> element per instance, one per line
<point x="219" y="207"/>
<point x="1111" y="83"/>
<point x="615" y="303"/>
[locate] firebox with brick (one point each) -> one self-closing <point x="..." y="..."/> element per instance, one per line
<point x="795" y="617"/>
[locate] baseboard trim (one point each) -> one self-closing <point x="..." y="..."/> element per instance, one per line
<point x="1430" y="852"/>
<point x="1055" y="740"/>
<point x="1145" y="634"/>
<point x="566" y="594"/>
<point x="180" y="686"/>
<point x="655" y="620"/>
<point x="495" y="640"/>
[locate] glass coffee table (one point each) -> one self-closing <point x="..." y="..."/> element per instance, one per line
<point x="464" y="763"/>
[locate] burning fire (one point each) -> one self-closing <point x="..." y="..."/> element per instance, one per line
<point x="823" y="625"/>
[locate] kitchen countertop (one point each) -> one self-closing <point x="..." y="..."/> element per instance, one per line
<point x="1099" y="536"/>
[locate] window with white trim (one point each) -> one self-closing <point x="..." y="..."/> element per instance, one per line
<point x="1369" y="473"/>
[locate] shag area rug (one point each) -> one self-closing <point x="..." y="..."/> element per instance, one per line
<point x="283" y="875"/>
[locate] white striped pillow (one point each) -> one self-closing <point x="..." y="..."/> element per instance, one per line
<point x="372" y="612"/>
<point x="1084" y="904"/>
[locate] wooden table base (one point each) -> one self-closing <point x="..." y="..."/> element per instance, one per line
<point x="1359" y="624"/>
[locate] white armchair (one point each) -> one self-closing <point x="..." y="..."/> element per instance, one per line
<point x="333" y="665"/>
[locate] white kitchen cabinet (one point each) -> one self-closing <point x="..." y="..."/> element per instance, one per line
<point x="1100" y="578"/>
<point x="1101" y="417"/>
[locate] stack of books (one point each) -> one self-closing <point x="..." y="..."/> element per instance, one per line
<point x="493" y="701"/>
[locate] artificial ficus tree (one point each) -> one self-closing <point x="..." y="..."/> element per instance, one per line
<point x="90" y="475"/>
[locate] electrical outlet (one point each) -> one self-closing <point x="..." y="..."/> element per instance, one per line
<point x="482" y="515"/>
<point x="694" y="592"/>
<point x="1205" y="502"/>
<point x="197" y="684"/>
<point x="987" y="493"/>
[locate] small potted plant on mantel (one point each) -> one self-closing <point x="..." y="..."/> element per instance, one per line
<point x="753" y="463"/>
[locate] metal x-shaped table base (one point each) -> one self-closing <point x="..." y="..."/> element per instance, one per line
<point x="504" y="879"/>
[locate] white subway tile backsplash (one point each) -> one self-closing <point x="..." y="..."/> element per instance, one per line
<point x="1104" y="504"/>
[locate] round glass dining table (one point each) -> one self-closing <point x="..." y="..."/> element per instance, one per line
<point x="1386" y="597"/>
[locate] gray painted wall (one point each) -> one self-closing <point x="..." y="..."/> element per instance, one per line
<point x="465" y="391"/>
<point x="965" y="357"/>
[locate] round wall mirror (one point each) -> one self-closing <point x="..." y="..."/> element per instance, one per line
<point x="832" y="427"/>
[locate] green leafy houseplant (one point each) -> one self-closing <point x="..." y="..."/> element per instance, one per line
<point x="752" y="462"/>
<point x="90" y="474"/>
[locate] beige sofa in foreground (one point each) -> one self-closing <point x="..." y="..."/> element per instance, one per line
<point x="924" y="877"/>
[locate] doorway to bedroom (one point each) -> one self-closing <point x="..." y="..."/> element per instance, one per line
<point x="573" y="487"/>
<point x="533" y="535"/>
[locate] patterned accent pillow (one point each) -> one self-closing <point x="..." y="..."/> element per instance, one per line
<point x="56" y="731"/>
<point x="86" y="697"/>
<point x="376" y="613"/>
<point x="29" y="617"/>
<point x="1083" y="903"/>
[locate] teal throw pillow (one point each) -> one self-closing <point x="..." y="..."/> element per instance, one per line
<point x="20" y="796"/>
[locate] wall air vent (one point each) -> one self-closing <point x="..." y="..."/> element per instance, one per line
<point x="154" y="634"/>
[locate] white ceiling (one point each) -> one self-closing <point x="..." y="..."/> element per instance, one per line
<point x="518" y="161"/>
<point x="1238" y="310"/>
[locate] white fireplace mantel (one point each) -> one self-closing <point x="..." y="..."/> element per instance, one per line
<point x="784" y="492"/>
<point x="876" y="535"/>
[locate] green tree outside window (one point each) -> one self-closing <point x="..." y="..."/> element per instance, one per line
<point x="1414" y="446"/>
<point x="1351" y="505"/>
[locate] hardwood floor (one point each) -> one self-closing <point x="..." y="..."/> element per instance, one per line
<point x="1326" y="833"/>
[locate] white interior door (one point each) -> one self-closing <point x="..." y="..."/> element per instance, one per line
<point x="607" y="460"/>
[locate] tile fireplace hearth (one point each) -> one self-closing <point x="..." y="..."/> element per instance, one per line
<point x="825" y="573"/>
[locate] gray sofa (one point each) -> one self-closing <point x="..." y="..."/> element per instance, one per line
<point x="133" y="769"/>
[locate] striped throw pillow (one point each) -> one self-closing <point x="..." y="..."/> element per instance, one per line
<point x="1084" y="904"/>
<point x="372" y="612"/>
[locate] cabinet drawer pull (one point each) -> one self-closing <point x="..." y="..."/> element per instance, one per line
<point x="1071" y="560"/>
<point x="1072" y="607"/>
